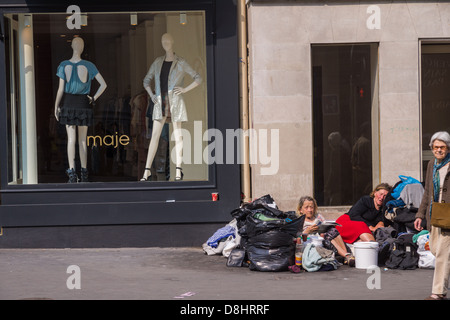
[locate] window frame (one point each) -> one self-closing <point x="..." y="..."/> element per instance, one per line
<point x="127" y="185"/>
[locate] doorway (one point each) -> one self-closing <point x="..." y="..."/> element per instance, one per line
<point x="435" y="99"/>
<point x="344" y="125"/>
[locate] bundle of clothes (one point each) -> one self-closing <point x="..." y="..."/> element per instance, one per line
<point x="262" y="237"/>
<point x="401" y="246"/>
<point x="402" y="203"/>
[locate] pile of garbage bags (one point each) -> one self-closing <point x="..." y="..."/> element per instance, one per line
<point x="266" y="236"/>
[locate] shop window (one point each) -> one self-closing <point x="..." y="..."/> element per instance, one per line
<point x="113" y="134"/>
<point x="344" y="121"/>
<point x="435" y="81"/>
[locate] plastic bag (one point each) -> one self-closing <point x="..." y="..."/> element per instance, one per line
<point x="230" y="245"/>
<point x="276" y="259"/>
<point x="270" y="245"/>
<point x="236" y="258"/>
<point x="267" y="234"/>
<point x="288" y="223"/>
<point x="266" y="200"/>
<point x="270" y="240"/>
<point x="247" y="208"/>
<point x="405" y="180"/>
<point x="426" y="258"/>
<point x="422" y="242"/>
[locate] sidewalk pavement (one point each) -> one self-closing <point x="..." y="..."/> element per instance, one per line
<point x="187" y="274"/>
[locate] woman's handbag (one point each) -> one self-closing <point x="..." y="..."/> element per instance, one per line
<point x="440" y="215"/>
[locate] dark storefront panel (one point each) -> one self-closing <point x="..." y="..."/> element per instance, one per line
<point x="342" y="103"/>
<point x="115" y="197"/>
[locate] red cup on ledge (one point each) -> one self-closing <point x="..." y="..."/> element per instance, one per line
<point x="215" y="196"/>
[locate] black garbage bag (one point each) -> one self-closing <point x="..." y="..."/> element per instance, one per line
<point x="240" y="214"/>
<point x="269" y="244"/>
<point x="267" y="234"/>
<point x="237" y="258"/>
<point x="276" y="259"/>
<point x="265" y="200"/>
<point x="270" y="240"/>
<point x="283" y="222"/>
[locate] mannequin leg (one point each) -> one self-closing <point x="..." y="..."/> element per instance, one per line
<point x="153" y="146"/>
<point x="71" y="141"/>
<point x="82" y="146"/>
<point x="178" y="149"/>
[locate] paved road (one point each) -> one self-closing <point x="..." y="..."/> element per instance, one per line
<point x="188" y="275"/>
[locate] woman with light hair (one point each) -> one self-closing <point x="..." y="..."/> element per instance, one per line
<point x="437" y="189"/>
<point x="310" y="220"/>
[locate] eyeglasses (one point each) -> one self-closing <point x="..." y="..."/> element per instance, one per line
<point x="439" y="147"/>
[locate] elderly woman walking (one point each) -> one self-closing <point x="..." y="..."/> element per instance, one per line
<point x="437" y="189"/>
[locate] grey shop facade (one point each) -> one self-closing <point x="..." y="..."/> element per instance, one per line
<point x="38" y="207"/>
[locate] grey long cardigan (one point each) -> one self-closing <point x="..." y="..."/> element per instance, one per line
<point x="177" y="72"/>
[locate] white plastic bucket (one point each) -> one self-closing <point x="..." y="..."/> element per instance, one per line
<point x="366" y="254"/>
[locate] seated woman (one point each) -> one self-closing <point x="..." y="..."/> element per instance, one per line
<point x="307" y="210"/>
<point x="364" y="217"/>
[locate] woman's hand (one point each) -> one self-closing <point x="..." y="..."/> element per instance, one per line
<point x="418" y="224"/>
<point x="312" y="229"/>
<point x="379" y="225"/>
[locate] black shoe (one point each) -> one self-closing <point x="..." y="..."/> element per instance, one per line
<point x="73" y="178"/>
<point x="349" y="260"/>
<point x="84" y="175"/>
<point x="149" y="178"/>
<point x="181" y="176"/>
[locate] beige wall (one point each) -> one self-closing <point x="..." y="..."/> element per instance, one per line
<point x="280" y="36"/>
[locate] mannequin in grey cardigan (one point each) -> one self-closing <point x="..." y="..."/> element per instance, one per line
<point x="168" y="72"/>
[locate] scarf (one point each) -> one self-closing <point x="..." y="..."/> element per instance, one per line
<point x="437" y="179"/>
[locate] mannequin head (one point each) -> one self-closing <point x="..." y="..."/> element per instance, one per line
<point x="78" y="45"/>
<point x="167" y="42"/>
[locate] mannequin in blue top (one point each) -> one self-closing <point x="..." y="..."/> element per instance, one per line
<point x="73" y="105"/>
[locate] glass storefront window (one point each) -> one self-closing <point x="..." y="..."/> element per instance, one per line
<point x="344" y="115"/>
<point x="106" y="60"/>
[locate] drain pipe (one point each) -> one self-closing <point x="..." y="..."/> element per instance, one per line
<point x="244" y="100"/>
